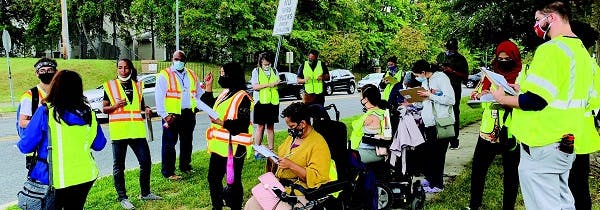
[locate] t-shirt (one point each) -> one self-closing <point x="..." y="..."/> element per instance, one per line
<point x="25" y="103"/>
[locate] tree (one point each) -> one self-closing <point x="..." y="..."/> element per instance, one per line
<point x="342" y="50"/>
<point x="408" y="45"/>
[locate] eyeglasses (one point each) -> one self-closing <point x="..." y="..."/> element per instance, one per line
<point x="45" y="70"/>
<point x="504" y="59"/>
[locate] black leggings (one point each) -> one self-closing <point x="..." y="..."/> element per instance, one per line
<point x="73" y="197"/>
<point x="216" y="173"/>
<point x="435" y="159"/>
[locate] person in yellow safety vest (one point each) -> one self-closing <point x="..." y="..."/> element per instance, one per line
<point x="264" y="81"/>
<point x="367" y="131"/>
<point x="554" y="99"/>
<point x="312" y="74"/>
<point x="67" y="121"/>
<point x="392" y="76"/>
<point x="123" y="102"/>
<point x="177" y="95"/>
<point x="494" y="137"/>
<point x="232" y="128"/>
<point x="45" y="68"/>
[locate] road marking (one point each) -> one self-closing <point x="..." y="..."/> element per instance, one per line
<point x="9" y="138"/>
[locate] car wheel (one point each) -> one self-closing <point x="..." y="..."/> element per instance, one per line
<point x="470" y="84"/>
<point x="328" y="90"/>
<point x="351" y="88"/>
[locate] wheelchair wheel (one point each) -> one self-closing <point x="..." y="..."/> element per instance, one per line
<point x="417" y="204"/>
<point x="384" y="196"/>
<point x="418" y="196"/>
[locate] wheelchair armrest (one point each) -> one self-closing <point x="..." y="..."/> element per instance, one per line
<point x="325" y="189"/>
<point x="376" y="142"/>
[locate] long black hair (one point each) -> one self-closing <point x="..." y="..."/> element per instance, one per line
<point x="132" y="69"/>
<point x="421" y="66"/>
<point x="235" y="74"/>
<point x="66" y="94"/>
<point x="372" y="93"/>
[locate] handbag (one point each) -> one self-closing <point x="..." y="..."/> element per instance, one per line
<point x="443" y="125"/>
<point x="35" y="195"/>
<point x="264" y="192"/>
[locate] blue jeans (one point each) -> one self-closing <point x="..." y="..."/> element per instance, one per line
<point x="182" y="128"/>
<point x="142" y="152"/>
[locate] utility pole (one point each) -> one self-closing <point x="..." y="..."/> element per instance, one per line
<point x="65" y="30"/>
<point x="177" y="25"/>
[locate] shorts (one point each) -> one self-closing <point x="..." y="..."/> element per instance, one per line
<point x="266" y="114"/>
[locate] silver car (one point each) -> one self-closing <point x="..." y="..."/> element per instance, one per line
<point x="95" y="96"/>
<point x="373" y="78"/>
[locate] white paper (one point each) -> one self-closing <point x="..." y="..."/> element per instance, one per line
<point x="499" y="80"/>
<point x="266" y="152"/>
<point x="202" y="106"/>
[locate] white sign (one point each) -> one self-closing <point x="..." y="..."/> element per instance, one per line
<point x="289" y="57"/>
<point x="6" y="40"/>
<point x="284" y="21"/>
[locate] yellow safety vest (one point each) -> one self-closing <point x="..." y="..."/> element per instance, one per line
<point x="388" y="88"/>
<point x="174" y="92"/>
<point x="72" y="161"/>
<point x="489" y="118"/>
<point x="358" y="124"/>
<point x="268" y="95"/>
<point x="125" y="122"/>
<point x="560" y="74"/>
<point x="217" y="137"/>
<point x="313" y="85"/>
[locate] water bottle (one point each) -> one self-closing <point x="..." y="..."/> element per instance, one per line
<point x="437" y="92"/>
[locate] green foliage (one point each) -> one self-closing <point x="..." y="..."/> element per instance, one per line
<point x="342" y="49"/>
<point x="408" y="45"/>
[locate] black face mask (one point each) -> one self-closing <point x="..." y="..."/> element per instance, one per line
<point x="295" y="133"/>
<point x="506" y="65"/>
<point x="46" y="78"/>
<point x="224" y="82"/>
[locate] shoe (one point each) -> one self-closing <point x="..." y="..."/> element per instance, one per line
<point x="432" y="190"/>
<point x="191" y="171"/>
<point x="126" y="204"/>
<point x="174" y="178"/>
<point x="424" y="183"/>
<point x="454" y="148"/>
<point x="150" y="197"/>
<point x="466" y="208"/>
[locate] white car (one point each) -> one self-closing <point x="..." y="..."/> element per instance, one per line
<point x="95" y="96"/>
<point x="373" y="78"/>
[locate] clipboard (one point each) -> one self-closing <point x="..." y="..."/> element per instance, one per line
<point x="500" y="81"/>
<point x="411" y="95"/>
<point x="391" y="80"/>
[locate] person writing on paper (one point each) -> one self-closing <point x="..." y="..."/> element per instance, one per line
<point x="368" y="130"/>
<point x="554" y="100"/>
<point x="437" y="105"/>
<point x="232" y="128"/>
<point x="392" y="76"/>
<point x="304" y="156"/>
<point x="177" y="95"/>
<point x="264" y="82"/>
<point x="494" y="137"/>
<point x="67" y="123"/>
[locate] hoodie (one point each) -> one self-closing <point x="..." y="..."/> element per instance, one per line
<point x="442" y="104"/>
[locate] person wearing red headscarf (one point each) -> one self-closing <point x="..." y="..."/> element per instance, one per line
<point x="494" y="136"/>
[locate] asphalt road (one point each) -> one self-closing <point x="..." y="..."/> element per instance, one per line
<point x="13" y="171"/>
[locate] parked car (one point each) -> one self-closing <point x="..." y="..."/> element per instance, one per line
<point x="373" y="78"/>
<point x="95" y="96"/>
<point x="340" y="80"/>
<point x="288" y="86"/>
<point x="473" y="80"/>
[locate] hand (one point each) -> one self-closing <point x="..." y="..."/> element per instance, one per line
<point x="426" y="93"/>
<point x="516" y="87"/>
<point x="148" y="112"/>
<point x="474" y="95"/>
<point x="320" y="78"/>
<point x="274" y="84"/>
<point x="306" y="78"/>
<point x="386" y="81"/>
<point x="285" y="163"/>
<point x="170" y="119"/>
<point x="499" y="93"/>
<point x="216" y="121"/>
<point x="448" y="69"/>
<point x="208" y="79"/>
<point x="120" y="103"/>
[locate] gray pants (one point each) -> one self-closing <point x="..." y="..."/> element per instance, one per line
<point x="544" y="175"/>
<point x="369" y="155"/>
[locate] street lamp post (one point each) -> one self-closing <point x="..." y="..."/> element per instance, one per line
<point x="177" y="24"/>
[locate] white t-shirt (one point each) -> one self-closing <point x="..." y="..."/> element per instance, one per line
<point x="26" y="103"/>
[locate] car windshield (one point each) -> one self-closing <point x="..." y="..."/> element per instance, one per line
<point x="371" y="77"/>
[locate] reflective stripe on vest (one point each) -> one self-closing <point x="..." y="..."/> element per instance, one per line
<point x="313" y="85"/>
<point x="268" y="95"/>
<point x="72" y="161"/>
<point x="125" y="122"/>
<point x="216" y="135"/>
<point x="174" y="90"/>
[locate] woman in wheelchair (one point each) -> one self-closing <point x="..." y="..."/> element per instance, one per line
<point x="304" y="157"/>
<point x="367" y="131"/>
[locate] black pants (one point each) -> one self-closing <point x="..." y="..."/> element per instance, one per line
<point x="579" y="182"/>
<point x="456" y="107"/>
<point x="142" y="152"/>
<point x="484" y="155"/>
<point x="216" y="173"/>
<point x="435" y="159"/>
<point x="182" y="127"/>
<point x="73" y="197"/>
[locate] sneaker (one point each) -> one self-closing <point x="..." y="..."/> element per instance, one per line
<point x="454" y="147"/>
<point x="424" y="183"/>
<point x="126" y="204"/>
<point x="174" y="178"/>
<point x="150" y="196"/>
<point x="432" y="190"/>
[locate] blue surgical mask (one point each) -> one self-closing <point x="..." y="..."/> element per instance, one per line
<point x="421" y="79"/>
<point x="178" y="65"/>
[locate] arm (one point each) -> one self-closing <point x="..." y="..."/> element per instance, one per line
<point x="160" y="92"/>
<point x="447" y="98"/>
<point x="300" y="74"/>
<point x="32" y="136"/>
<point x="25" y="111"/>
<point x="325" y="75"/>
<point x="240" y="125"/>
<point x="106" y="106"/>
<point x="100" y="140"/>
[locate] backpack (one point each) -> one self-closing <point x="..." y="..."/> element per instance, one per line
<point x="35" y="99"/>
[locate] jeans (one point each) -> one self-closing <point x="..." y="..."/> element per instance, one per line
<point x="484" y="155"/>
<point x="579" y="182"/>
<point x="216" y="173"/>
<point x="142" y="152"/>
<point x="436" y="158"/>
<point x="73" y="197"/>
<point x="182" y="127"/>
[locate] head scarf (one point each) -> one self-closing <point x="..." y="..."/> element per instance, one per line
<point x="512" y="51"/>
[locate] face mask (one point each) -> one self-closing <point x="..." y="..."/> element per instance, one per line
<point x="124" y="78"/>
<point x="223" y="82"/>
<point x="392" y="68"/>
<point x="539" y="30"/>
<point x="46" y="78"/>
<point x="506" y="65"/>
<point x="266" y="66"/>
<point x="421" y="79"/>
<point x="178" y="65"/>
<point x="295" y="133"/>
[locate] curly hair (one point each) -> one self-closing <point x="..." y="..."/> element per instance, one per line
<point x="296" y="112"/>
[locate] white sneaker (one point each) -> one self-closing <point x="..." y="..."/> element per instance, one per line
<point x="126" y="204"/>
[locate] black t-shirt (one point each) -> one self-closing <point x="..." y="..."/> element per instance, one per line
<point x="128" y="88"/>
